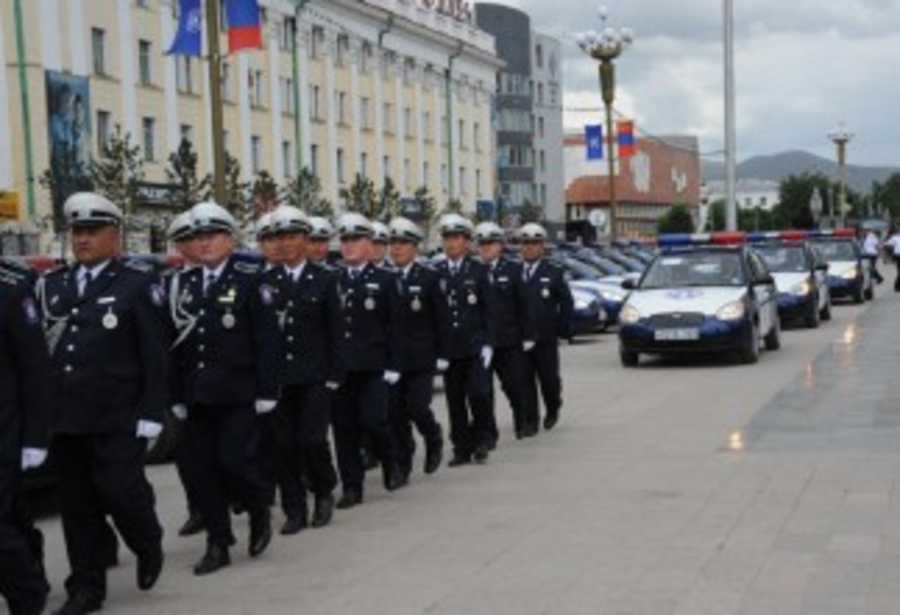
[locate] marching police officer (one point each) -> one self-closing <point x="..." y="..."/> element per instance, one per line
<point x="551" y="306"/>
<point x="109" y="376"/>
<point x="320" y="234"/>
<point x="420" y="308"/>
<point x="24" y="434"/>
<point x="367" y="352"/>
<point x="266" y="240"/>
<point x="380" y="237"/>
<point x="513" y="326"/>
<point x="466" y="345"/>
<point x="228" y="354"/>
<point x="311" y="324"/>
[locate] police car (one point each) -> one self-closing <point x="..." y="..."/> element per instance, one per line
<point x="849" y="274"/>
<point x="702" y="293"/>
<point x="800" y="275"/>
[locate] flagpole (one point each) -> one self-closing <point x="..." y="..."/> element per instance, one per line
<point x="215" y="100"/>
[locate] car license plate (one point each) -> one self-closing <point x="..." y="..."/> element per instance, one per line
<point x="677" y="335"/>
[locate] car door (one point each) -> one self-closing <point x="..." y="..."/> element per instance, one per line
<point x="764" y="291"/>
<point x="820" y="273"/>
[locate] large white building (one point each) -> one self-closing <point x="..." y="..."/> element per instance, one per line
<point x="549" y="172"/>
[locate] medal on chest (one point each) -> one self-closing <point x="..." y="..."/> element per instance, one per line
<point x="545" y="293"/>
<point x="110" y="321"/>
<point x="416" y="304"/>
<point x="472" y="299"/>
<point x="369" y="303"/>
<point x="228" y="320"/>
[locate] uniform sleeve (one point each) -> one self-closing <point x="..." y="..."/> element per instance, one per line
<point x="34" y="369"/>
<point x="333" y="314"/>
<point x="440" y="315"/>
<point x="266" y="339"/>
<point x="566" y="307"/>
<point x="526" y="311"/>
<point x="488" y="334"/>
<point x="395" y="324"/>
<point x="154" y="354"/>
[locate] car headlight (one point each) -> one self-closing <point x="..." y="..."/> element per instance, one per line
<point x="803" y="288"/>
<point x="610" y="295"/>
<point x="582" y="304"/>
<point x="629" y="315"/>
<point x="732" y="311"/>
<point x="852" y="274"/>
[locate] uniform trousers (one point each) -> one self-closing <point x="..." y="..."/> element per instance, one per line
<point x="468" y="386"/>
<point x="410" y="404"/>
<point x="360" y="405"/>
<point x="511" y="367"/>
<point x="183" y="466"/>
<point x="873" y="265"/>
<point x="301" y="433"/>
<point x="22" y="580"/>
<point x="224" y="443"/>
<point x="543" y="368"/>
<point x="100" y="474"/>
<point x="268" y="453"/>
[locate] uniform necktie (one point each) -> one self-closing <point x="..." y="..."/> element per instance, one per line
<point x="86" y="280"/>
<point x="210" y="280"/>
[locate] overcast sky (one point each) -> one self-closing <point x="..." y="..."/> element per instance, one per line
<point x="802" y="67"/>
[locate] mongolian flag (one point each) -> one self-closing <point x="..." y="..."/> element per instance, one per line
<point x="187" y="40"/>
<point x="244" y="27"/>
<point x="626" y="138"/>
<point x="593" y="138"/>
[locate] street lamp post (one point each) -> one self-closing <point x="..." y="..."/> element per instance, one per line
<point x="840" y="137"/>
<point x="606" y="46"/>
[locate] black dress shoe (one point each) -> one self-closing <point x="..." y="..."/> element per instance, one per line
<point x="530" y="431"/>
<point x="193" y="525"/>
<point x="434" y="454"/>
<point x="215" y="558"/>
<point x="349" y="499"/>
<point x="149" y="567"/>
<point x="294" y="524"/>
<point x="550" y="420"/>
<point x="79" y="603"/>
<point x="369" y="459"/>
<point x="323" y="511"/>
<point x="481" y="453"/>
<point x="394" y="479"/>
<point x="260" y="532"/>
<point x="459" y="460"/>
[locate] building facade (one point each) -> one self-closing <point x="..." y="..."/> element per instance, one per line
<point x="388" y="88"/>
<point x="529" y="119"/>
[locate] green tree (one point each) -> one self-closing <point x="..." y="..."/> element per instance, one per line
<point x="65" y="176"/>
<point x="795" y="194"/>
<point x="237" y="200"/>
<point x="117" y="175"/>
<point x="182" y="173"/>
<point x="427" y="208"/>
<point x="305" y="193"/>
<point x="360" y="196"/>
<point x="530" y="212"/>
<point x="388" y="202"/>
<point x="677" y="220"/>
<point x="453" y="206"/>
<point x="265" y="192"/>
<point x="715" y="217"/>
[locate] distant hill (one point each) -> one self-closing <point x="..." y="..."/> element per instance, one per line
<point x="778" y="166"/>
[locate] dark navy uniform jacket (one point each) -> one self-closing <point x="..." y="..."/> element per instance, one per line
<point x="466" y="327"/>
<point x="310" y="315"/>
<point x="24" y="366"/>
<point x="551" y="301"/>
<point x="369" y="328"/>
<point x="110" y="361"/>
<point x="232" y="354"/>
<point x="508" y="305"/>
<point x="420" y="310"/>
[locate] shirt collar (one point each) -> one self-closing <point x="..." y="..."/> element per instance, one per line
<point x="456" y="264"/>
<point x="405" y="271"/>
<point x="95" y="271"/>
<point x="295" y="272"/>
<point x="217" y="272"/>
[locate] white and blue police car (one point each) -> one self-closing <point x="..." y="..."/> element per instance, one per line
<point x="800" y="275"/>
<point x="849" y="273"/>
<point x="702" y="293"/>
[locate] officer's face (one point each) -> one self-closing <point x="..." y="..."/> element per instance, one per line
<point x="317" y="250"/>
<point x="378" y="252"/>
<point x="92" y="245"/>
<point x="356" y="250"/>
<point x="532" y="250"/>
<point x="490" y="251"/>
<point x="403" y="252"/>
<point x="187" y="250"/>
<point x="214" y="248"/>
<point x="292" y="248"/>
<point x="271" y="251"/>
<point x="456" y="245"/>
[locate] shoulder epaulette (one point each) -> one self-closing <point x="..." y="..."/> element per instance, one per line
<point x="138" y="265"/>
<point x="245" y="267"/>
<point x="60" y="269"/>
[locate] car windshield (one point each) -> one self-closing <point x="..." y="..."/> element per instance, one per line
<point x="695" y="269"/>
<point x="784" y="259"/>
<point x="833" y="251"/>
<point x="581" y="270"/>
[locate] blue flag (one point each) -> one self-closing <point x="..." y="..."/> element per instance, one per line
<point x="188" y="40"/>
<point x="593" y="138"/>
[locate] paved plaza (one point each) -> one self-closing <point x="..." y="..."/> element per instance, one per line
<point x="679" y="488"/>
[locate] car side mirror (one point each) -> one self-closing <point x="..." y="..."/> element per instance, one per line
<point x="765" y="280"/>
<point x="629" y="284"/>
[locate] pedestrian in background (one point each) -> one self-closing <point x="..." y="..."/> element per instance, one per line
<point x="893" y="244"/>
<point x="871" y="249"/>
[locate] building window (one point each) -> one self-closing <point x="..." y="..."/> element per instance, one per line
<point x="462" y="133"/>
<point x="553" y="94"/>
<point x="426" y="178"/>
<point x="476" y="136"/>
<point x="225" y="136"/>
<point x="541" y="127"/>
<point x="255" y="81"/>
<point x="540" y="99"/>
<point x="363" y="165"/>
<point x="226" y="81"/>
<point x="184" y="78"/>
<point x="426" y="125"/>
<point x="286" y="88"/>
<point x="314" y="102"/>
<point x="407" y="173"/>
<point x="365" y="57"/>
<point x="443" y="129"/>
<point x="544" y="194"/>
<point x="287" y="33"/>
<point x="386" y="167"/>
<point x="539" y="56"/>
<point x="341" y="104"/>
<point x="144" y="50"/>
<point x="102" y="131"/>
<point x="444" y="180"/>
<point x="462" y="180"/>
<point x="543" y="162"/>
<point x="314" y="159"/>
<point x="364" y="113"/>
<point x="286" y="152"/>
<point x="255" y="153"/>
<point x="187" y="133"/>
<point x="407" y="122"/>
<point x="386" y="118"/>
<point x="340" y="165"/>
<point x="149" y="126"/>
<point x="343" y="48"/>
<point x="317" y="43"/>
<point x="478" y="182"/>
<point x="763" y="201"/>
<point x="98" y="46"/>
<point x="143" y="4"/>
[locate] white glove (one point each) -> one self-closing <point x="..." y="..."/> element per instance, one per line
<point x="332" y="386"/>
<point x="391" y="377"/>
<point x="180" y="411"/>
<point x="442" y="365"/>
<point x="33" y="457"/>
<point x="148" y="429"/>
<point x="264" y="406"/>
<point x="487" y="355"/>
<point x="528" y="345"/>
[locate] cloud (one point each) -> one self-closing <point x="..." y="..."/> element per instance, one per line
<point x="801" y="67"/>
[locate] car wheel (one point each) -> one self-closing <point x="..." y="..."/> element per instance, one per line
<point x="628" y="358"/>
<point x="826" y="311"/>
<point x="773" y="339"/>
<point x="812" y="318"/>
<point x="750" y="353"/>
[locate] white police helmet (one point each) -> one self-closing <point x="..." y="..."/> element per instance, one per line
<point x="380" y="232"/>
<point x="209" y="216"/>
<point x="320" y="228"/>
<point x="90" y="209"/>
<point x="287" y="219"/>
<point x="488" y="232"/>
<point x="181" y="228"/>
<point x="532" y="232"/>
<point x="264" y="226"/>
<point x="404" y="229"/>
<point x="354" y="225"/>
<point x="455" y="224"/>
